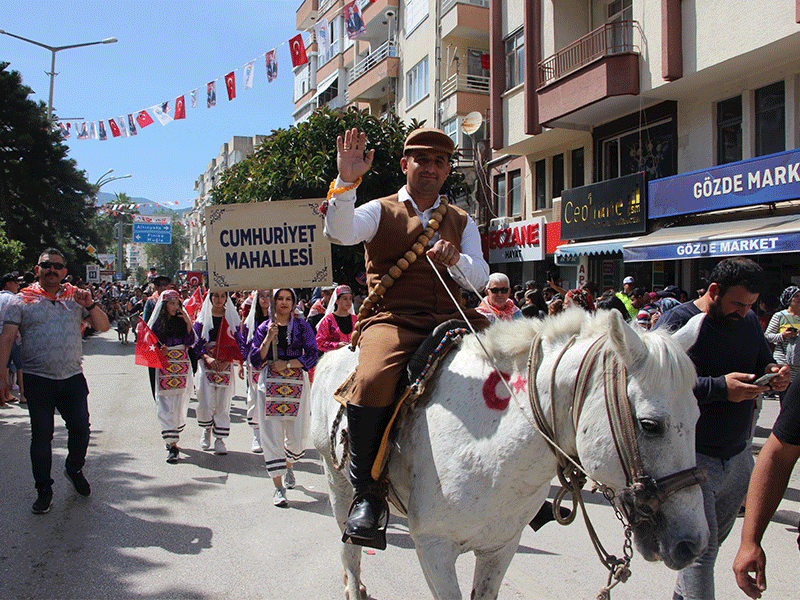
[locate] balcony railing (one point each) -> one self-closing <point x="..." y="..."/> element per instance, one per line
<point x="618" y="37"/>
<point x="448" y="4"/>
<point x="384" y="51"/>
<point x="465" y="83"/>
<point x="324" y="5"/>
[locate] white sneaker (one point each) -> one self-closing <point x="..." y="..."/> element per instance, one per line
<point x="256" y="447"/>
<point x="279" y="497"/>
<point x="219" y="447"/>
<point x="289" y="479"/>
<point x="205" y="440"/>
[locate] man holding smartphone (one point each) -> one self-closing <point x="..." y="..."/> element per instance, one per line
<point x="729" y="355"/>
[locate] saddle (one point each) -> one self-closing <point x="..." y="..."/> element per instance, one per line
<point x="420" y="368"/>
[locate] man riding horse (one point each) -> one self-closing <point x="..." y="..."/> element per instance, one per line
<point x="412" y="304"/>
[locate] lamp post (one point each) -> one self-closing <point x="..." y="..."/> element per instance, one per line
<point x="104" y="179"/>
<point x="53" y="50"/>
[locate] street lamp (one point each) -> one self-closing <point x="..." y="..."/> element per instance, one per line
<point x="55" y="49"/>
<point x="104" y="178"/>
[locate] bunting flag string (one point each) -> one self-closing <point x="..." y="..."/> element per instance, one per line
<point x="163" y="111"/>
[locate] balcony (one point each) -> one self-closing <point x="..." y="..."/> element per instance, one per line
<point x="369" y="78"/>
<point x="466" y="19"/>
<point x="307" y="14"/>
<point x="463" y="94"/>
<point x="602" y="64"/>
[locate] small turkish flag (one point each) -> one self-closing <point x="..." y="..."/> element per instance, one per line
<point x="148" y="353"/>
<point x="114" y="128"/>
<point x="485" y="62"/>
<point x="230" y="84"/>
<point x="180" y="108"/>
<point x="144" y="119"/>
<point x="194" y="303"/>
<point x="226" y="349"/>
<point x="297" y="48"/>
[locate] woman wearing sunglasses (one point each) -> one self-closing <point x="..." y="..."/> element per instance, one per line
<point x="497" y="304"/>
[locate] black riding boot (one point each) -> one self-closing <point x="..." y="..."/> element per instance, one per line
<point x="369" y="513"/>
<point x="545" y="515"/>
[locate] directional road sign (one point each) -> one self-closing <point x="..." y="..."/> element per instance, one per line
<point x="152" y="233"/>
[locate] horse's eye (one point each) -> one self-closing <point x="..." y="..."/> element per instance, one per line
<point x="651" y="426"/>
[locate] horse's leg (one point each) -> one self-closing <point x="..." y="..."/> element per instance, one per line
<point x="341" y="496"/>
<point x="490" y="568"/>
<point x="437" y="557"/>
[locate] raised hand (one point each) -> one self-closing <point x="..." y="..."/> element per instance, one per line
<point x="351" y="159"/>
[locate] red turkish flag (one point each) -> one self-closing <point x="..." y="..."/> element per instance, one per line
<point x="180" y="108"/>
<point x="144" y="119"/>
<point x="226" y="349"/>
<point x="297" y="48"/>
<point x="148" y="353"/>
<point x="230" y="84"/>
<point x="485" y="62"/>
<point x="194" y="303"/>
<point x="114" y="128"/>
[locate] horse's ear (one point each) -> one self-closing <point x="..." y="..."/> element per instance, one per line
<point x="625" y="340"/>
<point x="686" y="336"/>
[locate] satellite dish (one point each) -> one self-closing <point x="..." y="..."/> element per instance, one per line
<point x="472" y="122"/>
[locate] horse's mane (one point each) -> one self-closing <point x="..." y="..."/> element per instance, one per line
<point x="664" y="360"/>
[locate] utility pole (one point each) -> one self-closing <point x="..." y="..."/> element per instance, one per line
<point x="119" y="229"/>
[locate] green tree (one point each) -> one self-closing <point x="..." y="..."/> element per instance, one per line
<point x="300" y="162"/>
<point x="44" y="199"/>
<point x="104" y="225"/>
<point x="166" y="258"/>
<point x="10" y="252"/>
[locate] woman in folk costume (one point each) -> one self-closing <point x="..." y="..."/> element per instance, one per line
<point x="214" y="383"/>
<point x="336" y="327"/>
<point x="172" y="326"/>
<point x="283" y="348"/>
<point x="259" y="312"/>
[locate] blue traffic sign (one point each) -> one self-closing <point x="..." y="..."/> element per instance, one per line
<point x="152" y="227"/>
<point x="152" y="237"/>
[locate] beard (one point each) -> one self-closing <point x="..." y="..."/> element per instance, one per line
<point x="717" y="315"/>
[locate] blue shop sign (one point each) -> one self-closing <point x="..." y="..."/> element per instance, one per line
<point x="760" y="180"/>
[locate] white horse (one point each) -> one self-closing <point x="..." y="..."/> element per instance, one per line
<point x="471" y="470"/>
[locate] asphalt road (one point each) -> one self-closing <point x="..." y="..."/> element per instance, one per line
<point x="206" y="528"/>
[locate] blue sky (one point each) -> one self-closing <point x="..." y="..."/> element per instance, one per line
<point x="165" y="49"/>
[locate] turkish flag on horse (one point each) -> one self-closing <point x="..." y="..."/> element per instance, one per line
<point x="226" y="349"/>
<point x="148" y="353"/>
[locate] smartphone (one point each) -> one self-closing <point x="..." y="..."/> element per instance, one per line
<point x="765" y="379"/>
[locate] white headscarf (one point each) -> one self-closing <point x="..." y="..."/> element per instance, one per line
<point x="206" y="318"/>
<point x="160" y="303"/>
<point x="341" y="289"/>
<point x="250" y="321"/>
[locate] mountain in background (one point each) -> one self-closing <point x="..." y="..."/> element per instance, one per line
<point x="148" y="206"/>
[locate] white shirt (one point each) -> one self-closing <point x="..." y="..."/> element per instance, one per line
<point x="347" y="225"/>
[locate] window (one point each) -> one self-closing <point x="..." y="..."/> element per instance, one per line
<point x="649" y="150"/>
<point x="500" y="194"/>
<point x="451" y="129"/>
<point x="558" y="175"/>
<point x="330" y="93"/>
<point x="577" y="168"/>
<point x="416" y="11"/>
<point x="515" y="60"/>
<point x="729" y="130"/>
<point x="515" y="192"/>
<point x="417" y="82"/>
<point x="770" y="119"/>
<point x="541" y="200"/>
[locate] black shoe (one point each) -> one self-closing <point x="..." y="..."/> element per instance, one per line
<point x="545" y="515"/>
<point x="173" y="454"/>
<point x="366" y="525"/>
<point x="79" y="481"/>
<point x="43" y="503"/>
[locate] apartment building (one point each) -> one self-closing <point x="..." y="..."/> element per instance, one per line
<point x="233" y="151"/>
<point x="418" y="59"/>
<point x="645" y="137"/>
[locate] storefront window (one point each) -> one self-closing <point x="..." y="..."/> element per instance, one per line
<point x="729" y="131"/>
<point x="649" y="150"/>
<point x="770" y="119"/>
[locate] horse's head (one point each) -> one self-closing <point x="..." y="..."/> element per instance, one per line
<point x="666" y="512"/>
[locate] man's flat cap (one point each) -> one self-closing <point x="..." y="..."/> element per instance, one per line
<point x="431" y="139"/>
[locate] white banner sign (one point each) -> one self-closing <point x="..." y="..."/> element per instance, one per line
<point x="518" y="241"/>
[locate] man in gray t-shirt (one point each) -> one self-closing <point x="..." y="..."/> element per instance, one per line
<point x="48" y="315"/>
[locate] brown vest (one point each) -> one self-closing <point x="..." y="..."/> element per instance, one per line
<point x="418" y="289"/>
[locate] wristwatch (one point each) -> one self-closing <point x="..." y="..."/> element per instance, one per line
<point x="91" y="306"/>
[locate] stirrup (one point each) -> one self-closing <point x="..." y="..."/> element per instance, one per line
<point x="378" y="539"/>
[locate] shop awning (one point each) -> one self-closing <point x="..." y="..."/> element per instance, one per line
<point x="326" y="83"/>
<point x="772" y="235"/>
<point x="593" y="247"/>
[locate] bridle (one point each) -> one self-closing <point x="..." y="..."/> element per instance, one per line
<point x="642" y="496"/>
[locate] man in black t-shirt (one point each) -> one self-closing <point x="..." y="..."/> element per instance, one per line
<point x="767" y="486"/>
<point x="729" y="354"/>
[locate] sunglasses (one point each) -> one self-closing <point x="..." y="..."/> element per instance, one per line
<point x="503" y="290"/>
<point x="51" y="265"/>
